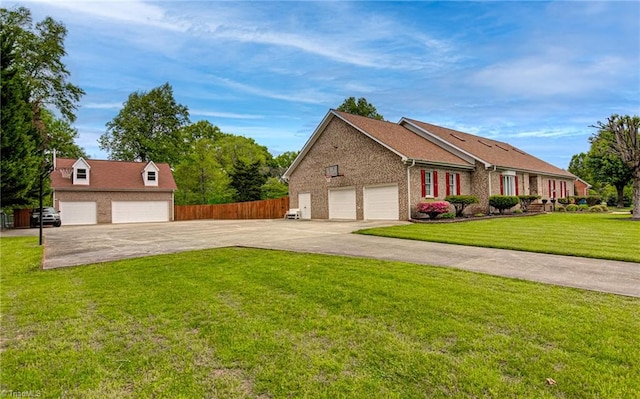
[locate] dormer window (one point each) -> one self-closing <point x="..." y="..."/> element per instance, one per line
<point x="150" y="174"/>
<point x="81" y="172"/>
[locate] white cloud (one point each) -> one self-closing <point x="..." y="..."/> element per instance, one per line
<point x="226" y="115"/>
<point x="102" y="105"/>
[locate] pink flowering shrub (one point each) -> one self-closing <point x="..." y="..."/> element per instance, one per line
<point x="433" y="209"/>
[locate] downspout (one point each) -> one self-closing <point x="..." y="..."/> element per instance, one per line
<point x="409" y="188"/>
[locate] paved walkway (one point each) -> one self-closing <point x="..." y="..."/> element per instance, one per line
<point x="71" y="245"/>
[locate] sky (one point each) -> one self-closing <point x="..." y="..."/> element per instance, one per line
<point x="536" y="74"/>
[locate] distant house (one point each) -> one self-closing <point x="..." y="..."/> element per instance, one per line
<point x="581" y="187"/>
<point x="353" y="167"/>
<point x="88" y="191"/>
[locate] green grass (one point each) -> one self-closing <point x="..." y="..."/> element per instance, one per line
<point x="245" y="323"/>
<point x="593" y="235"/>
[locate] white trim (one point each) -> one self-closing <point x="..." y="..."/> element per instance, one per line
<point x="81" y="164"/>
<point x="150" y="167"/>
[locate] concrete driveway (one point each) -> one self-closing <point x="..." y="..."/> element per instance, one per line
<point x="77" y="245"/>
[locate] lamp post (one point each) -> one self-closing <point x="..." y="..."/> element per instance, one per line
<point x="46" y="170"/>
<point x="544" y="204"/>
<point x="553" y="204"/>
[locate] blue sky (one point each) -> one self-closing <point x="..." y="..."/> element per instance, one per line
<point x="534" y="74"/>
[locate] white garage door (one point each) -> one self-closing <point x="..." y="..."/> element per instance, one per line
<point x="381" y="202"/>
<point x="342" y="203"/>
<point x="139" y="211"/>
<point x="80" y="212"/>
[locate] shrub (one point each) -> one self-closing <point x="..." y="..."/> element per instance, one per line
<point x="563" y="201"/>
<point x="572" y="208"/>
<point x="526" y="200"/>
<point x="448" y="215"/>
<point x="595" y="208"/>
<point x="433" y="209"/>
<point x="560" y="208"/>
<point x="583" y="207"/>
<point x="461" y="201"/>
<point x="502" y="202"/>
<point x="517" y="211"/>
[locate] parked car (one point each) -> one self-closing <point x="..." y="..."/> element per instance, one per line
<point x="49" y="216"/>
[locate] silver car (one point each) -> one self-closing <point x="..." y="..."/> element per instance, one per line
<point x="49" y="216"/>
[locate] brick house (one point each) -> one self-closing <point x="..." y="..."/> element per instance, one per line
<point x="97" y="191"/>
<point x="353" y="167"/>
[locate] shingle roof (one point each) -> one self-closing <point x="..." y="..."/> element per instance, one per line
<point x="402" y="140"/>
<point x="113" y="175"/>
<point x="495" y="152"/>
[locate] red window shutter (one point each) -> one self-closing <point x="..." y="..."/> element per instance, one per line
<point x="501" y="186"/>
<point x="457" y="183"/>
<point x="424" y="187"/>
<point x="448" y="184"/>
<point x="549" y="188"/>
<point x="435" y="183"/>
<point x="517" y="191"/>
<point x="554" y="189"/>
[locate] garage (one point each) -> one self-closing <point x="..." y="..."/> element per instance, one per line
<point x="139" y="211"/>
<point x="381" y="202"/>
<point x="342" y="203"/>
<point x="78" y="212"/>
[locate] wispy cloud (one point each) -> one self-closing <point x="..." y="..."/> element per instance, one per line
<point x="103" y="105"/>
<point x="225" y="115"/>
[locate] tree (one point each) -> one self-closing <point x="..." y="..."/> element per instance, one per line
<point x="279" y="164"/>
<point x="274" y="188"/>
<point x="361" y="107"/>
<point x="232" y="148"/>
<point x="605" y="165"/>
<point x="199" y="176"/>
<point x="40" y="53"/>
<point x="247" y="179"/>
<point x="35" y="74"/>
<point x="148" y="128"/>
<point x="625" y="144"/>
<point x="20" y="162"/>
<point x="62" y="136"/>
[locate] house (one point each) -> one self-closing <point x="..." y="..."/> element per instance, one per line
<point x="353" y="167"/>
<point x="581" y="187"/>
<point x="88" y="191"/>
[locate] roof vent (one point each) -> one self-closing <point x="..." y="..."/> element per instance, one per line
<point x="502" y="148"/>
<point x="458" y="137"/>
<point x="517" y="150"/>
<point x="484" y="143"/>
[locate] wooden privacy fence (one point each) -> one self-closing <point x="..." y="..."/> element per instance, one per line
<point x="265" y="209"/>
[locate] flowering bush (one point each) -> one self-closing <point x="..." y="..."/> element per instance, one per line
<point x="433" y="209"/>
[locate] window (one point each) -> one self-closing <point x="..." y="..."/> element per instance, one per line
<point x="151" y="175"/>
<point x="81" y="174"/>
<point x="453" y="183"/>
<point x="429" y="183"/>
<point x="331" y="171"/>
<point x="508" y="184"/>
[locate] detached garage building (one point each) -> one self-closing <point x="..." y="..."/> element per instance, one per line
<point x="97" y="191"/>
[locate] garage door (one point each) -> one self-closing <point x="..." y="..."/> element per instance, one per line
<point x="139" y="211"/>
<point x="342" y="203"/>
<point x="80" y="212"/>
<point x="381" y="202"/>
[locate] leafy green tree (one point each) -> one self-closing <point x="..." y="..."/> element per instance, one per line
<point x="625" y="144"/>
<point x="62" y="136"/>
<point x="279" y="164"/>
<point x="201" y="130"/>
<point x="360" y="107"/>
<point x="19" y="162"/>
<point x="274" y="188"/>
<point x="200" y="177"/>
<point x="148" y="128"/>
<point x="605" y="165"/>
<point x="247" y="179"/>
<point x="41" y="50"/>
<point x="232" y="148"/>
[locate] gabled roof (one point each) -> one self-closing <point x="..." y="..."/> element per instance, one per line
<point x="491" y="152"/>
<point x="426" y="143"/>
<point x="113" y="175"/>
<point x="396" y="138"/>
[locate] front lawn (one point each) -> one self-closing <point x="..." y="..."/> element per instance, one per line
<point x="245" y="323"/>
<point x="593" y="235"/>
